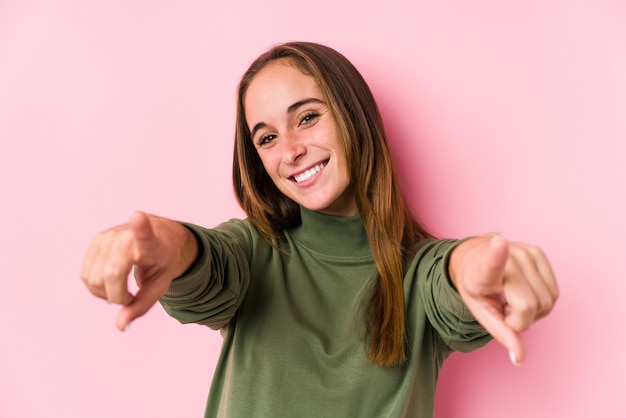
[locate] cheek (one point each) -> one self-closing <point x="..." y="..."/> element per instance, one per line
<point x="342" y="164"/>
<point x="270" y="164"/>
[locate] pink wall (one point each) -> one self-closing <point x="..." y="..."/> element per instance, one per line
<point x="509" y="118"/>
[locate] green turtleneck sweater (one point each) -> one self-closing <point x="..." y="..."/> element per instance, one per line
<point x="294" y="321"/>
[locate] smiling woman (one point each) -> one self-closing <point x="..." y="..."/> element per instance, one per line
<point x="333" y="299"/>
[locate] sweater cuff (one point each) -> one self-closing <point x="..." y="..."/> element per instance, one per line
<point x="191" y="280"/>
<point x="456" y="303"/>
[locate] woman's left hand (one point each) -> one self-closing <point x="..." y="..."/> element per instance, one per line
<point x="506" y="285"/>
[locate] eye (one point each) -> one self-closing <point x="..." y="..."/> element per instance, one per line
<point x="266" y="139"/>
<point x="308" y="118"/>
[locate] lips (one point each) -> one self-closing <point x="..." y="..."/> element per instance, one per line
<point x="307" y="174"/>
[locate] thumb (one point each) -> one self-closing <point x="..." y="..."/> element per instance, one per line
<point x="146" y="242"/>
<point x="141" y="226"/>
<point x="497" y="256"/>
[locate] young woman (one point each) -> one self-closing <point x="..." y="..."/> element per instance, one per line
<point x="332" y="298"/>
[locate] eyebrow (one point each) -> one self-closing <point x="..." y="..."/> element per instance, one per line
<point x="290" y="109"/>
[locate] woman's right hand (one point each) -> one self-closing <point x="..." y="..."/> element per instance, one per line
<point x="160" y="249"/>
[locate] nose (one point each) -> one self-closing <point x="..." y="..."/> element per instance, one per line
<point x="292" y="149"/>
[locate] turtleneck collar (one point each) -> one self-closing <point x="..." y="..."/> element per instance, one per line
<point x="332" y="235"/>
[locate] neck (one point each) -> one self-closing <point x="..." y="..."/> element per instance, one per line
<point x="339" y="236"/>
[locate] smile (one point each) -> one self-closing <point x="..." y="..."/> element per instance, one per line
<point x="310" y="172"/>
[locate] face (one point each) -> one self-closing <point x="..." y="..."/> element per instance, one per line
<point x="296" y="137"/>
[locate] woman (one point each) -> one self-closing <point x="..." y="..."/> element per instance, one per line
<point x="333" y="299"/>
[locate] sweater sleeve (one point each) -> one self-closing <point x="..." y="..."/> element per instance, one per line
<point x="444" y="307"/>
<point x="213" y="288"/>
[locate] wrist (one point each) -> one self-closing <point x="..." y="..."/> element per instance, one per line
<point x="456" y="258"/>
<point x="190" y="251"/>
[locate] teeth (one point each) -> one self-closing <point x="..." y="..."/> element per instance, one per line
<point x="309" y="173"/>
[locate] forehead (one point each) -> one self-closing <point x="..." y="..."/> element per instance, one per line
<point x="276" y="87"/>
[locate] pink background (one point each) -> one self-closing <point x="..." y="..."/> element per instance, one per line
<point x="506" y="116"/>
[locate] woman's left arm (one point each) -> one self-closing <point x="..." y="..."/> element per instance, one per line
<point x="506" y="285"/>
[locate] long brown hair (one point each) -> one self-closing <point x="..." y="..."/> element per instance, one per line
<point x="391" y="227"/>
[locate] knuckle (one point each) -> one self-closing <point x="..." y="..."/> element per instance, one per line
<point x="92" y="281"/>
<point x="85" y="279"/>
<point x="118" y="299"/>
<point x="113" y="273"/>
<point x="519" y="322"/>
<point x="528" y="308"/>
<point x="528" y="251"/>
<point x="546" y="304"/>
<point x="95" y="287"/>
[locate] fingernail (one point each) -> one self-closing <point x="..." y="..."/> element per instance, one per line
<point x="514" y="359"/>
<point x="497" y="237"/>
<point x="126" y="327"/>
